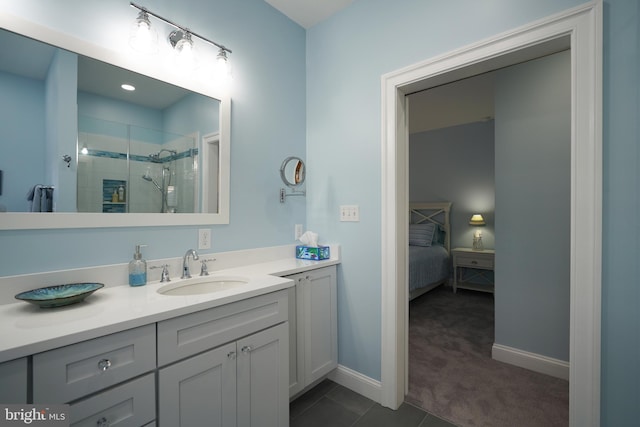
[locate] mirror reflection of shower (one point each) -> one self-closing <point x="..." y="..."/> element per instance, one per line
<point x="165" y="187"/>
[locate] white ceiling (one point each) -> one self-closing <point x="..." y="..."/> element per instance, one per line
<point x="308" y="13"/>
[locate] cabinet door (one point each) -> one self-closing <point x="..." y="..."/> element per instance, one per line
<point x="262" y="374"/>
<point x="320" y="328"/>
<point x="199" y="391"/>
<point x="14" y="381"/>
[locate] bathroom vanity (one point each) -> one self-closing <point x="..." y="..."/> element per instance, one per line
<point x="133" y="356"/>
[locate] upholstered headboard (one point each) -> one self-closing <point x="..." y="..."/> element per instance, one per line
<point x="433" y="212"/>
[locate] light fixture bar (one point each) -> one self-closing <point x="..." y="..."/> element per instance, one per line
<point x="184" y="29"/>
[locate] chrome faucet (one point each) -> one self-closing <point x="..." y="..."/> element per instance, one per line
<point x="185" y="263"/>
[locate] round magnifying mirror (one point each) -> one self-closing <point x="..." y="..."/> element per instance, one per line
<point x="292" y="171"/>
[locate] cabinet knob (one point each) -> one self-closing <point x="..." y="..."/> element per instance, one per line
<point x="102" y="422"/>
<point x="232" y="355"/>
<point x="246" y="349"/>
<point x="474" y="262"/>
<point x="104" y="364"/>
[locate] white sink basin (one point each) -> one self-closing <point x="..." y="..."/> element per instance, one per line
<point x="205" y="286"/>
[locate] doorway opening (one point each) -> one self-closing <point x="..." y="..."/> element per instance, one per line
<point x="580" y="31"/>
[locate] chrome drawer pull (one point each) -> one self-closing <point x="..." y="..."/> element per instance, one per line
<point x="231" y="355"/>
<point x="102" y="422"/>
<point x="247" y="349"/>
<point x="104" y="364"/>
<point x="474" y="262"/>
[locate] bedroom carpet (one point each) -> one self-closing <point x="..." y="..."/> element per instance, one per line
<point x="452" y="374"/>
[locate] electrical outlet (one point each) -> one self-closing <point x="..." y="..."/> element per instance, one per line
<point x="298" y="231"/>
<point x="350" y="213"/>
<point x="204" y="238"/>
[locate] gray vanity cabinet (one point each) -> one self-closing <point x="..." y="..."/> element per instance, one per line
<point x="239" y="383"/>
<point x="315" y="329"/>
<point x="200" y="390"/>
<point x="14" y="381"/>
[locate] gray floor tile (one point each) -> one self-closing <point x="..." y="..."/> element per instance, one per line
<point x="310" y="398"/>
<point x="405" y="416"/>
<point x="433" y="421"/>
<point x="325" y="413"/>
<point x="350" y="400"/>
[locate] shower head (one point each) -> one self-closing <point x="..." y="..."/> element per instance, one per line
<point x="147" y="177"/>
<point x="155" y="157"/>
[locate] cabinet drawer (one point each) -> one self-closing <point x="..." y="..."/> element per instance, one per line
<point x="474" y="261"/>
<point x="70" y="372"/>
<point x="193" y="333"/>
<point x="130" y="404"/>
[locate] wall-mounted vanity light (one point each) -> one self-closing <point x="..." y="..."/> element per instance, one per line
<point x="292" y="173"/>
<point x="144" y="38"/>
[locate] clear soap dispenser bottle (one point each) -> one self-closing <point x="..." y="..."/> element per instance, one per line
<point x="138" y="269"/>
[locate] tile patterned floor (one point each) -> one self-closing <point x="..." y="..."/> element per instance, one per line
<point x="331" y="405"/>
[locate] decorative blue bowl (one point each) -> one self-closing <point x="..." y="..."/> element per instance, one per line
<point x="59" y="295"/>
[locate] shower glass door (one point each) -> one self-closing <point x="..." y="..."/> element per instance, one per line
<point x="127" y="168"/>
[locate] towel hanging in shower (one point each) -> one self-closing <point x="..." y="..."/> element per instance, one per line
<point x="40" y="198"/>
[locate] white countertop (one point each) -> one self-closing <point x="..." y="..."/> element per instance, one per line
<point x="27" y="329"/>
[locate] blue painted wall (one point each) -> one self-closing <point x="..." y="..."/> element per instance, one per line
<point x="533" y="210"/>
<point x="61" y="124"/>
<point x="113" y="115"/>
<point x="22" y="136"/>
<point x="346" y="56"/>
<point x="621" y="203"/>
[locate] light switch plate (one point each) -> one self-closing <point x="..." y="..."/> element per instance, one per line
<point x="350" y="213"/>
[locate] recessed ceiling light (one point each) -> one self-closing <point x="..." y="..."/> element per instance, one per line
<point x="127" y="87"/>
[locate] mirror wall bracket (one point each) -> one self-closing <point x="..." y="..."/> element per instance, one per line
<point x="284" y="194"/>
<point x="292" y="173"/>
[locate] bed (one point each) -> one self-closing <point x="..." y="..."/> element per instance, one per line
<point x="429" y="246"/>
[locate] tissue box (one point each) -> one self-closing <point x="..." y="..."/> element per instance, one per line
<point x="313" y="253"/>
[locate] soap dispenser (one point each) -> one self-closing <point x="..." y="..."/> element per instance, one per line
<point x="138" y="269"/>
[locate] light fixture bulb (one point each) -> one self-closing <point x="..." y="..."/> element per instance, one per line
<point x="184" y="51"/>
<point x="222" y="68"/>
<point x="143" y="37"/>
<point x="84" y="149"/>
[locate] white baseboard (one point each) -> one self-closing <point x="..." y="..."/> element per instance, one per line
<point x="355" y="381"/>
<point x="532" y="361"/>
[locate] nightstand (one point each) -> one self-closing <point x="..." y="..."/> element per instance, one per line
<point x="479" y="263"/>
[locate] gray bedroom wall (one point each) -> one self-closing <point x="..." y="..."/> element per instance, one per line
<point x="532" y="149"/>
<point x="456" y="164"/>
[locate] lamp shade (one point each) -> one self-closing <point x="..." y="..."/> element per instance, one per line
<point x="476" y="219"/>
